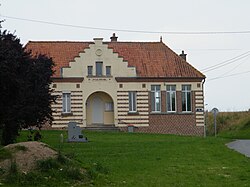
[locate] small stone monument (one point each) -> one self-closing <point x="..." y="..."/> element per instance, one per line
<point x="75" y="133"/>
<point x="215" y="111"/>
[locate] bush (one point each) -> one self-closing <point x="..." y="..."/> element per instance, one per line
<point x="48" y="164"/>
<point x="4" y="154"/>
<point x="228" y="122"/>
<point x="37" y="136"/>
<point x="21" y="148"/>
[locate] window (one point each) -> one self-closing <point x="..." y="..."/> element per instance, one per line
<point x="109" y="106"/>
<point x="171" y="98"/>
<point x="132" y="101"/>
<point x="90" y="70"/>
<point x="99" y="68"/>
<point x="66" y="103"/>
<point x="108" y="70"/>
<point x="186" y="98"/>
<point x="156" y="98"/>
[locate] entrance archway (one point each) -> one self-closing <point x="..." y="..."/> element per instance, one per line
<point x="99" y="109"/>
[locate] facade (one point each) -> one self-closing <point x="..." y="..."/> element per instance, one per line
<point x="120" y="84"/>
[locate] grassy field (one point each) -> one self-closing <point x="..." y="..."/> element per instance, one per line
<point x="121" y="159"/>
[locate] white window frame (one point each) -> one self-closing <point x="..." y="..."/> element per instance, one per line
<point x="171" y="92"/>
<point x="155" y="96"/>
<point x="66" y="102"/>
<point x="184" y="93"/>
<point x="132" y="101"/>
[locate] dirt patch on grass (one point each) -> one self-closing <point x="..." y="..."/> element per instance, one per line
<point x="26" y="154"/>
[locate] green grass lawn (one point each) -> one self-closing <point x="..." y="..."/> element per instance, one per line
<point x="122" y="159"/>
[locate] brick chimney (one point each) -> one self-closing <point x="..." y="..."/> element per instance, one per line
<point x="113" y="38"/>
<point x="183" y="55"/>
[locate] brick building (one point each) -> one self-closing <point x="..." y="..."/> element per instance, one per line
<point x="115" y="84"/>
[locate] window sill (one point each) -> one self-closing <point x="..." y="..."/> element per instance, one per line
<point x="133" y="113"/>
<point x="95" y="76"/>
<point x="186" y="112"/>
<point x="171" y="113"/>
<point x="67" y="114"/>
<point x="156" y="112"/>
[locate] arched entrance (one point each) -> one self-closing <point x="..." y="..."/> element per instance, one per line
<point x="99" y="109"/>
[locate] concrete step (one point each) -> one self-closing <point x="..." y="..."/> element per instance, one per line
<point x="101" y="127"/>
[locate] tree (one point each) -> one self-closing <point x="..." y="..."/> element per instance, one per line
<point x="25" y="93"/>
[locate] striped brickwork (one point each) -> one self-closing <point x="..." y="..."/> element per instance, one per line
<point x="61" y="119"/>
<point x="139" y="118"/>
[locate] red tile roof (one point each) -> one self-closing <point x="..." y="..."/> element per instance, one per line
<point x="151" y="59"/>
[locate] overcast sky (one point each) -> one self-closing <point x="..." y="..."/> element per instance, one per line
<point x="204" y="50"/>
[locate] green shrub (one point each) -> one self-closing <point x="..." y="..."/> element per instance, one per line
<point x="37" y="136"/>
<point x="97" y="169"/>
<point x="74" y="173"/>
<point x="61" y="158"/>
<point x="13" y="167"/>
<point x="21" y="148"/>
<point x="5" y="154"/>
<point x="48" y="164"/>
<point x="13" y="174"/>
<point x="228" y="122"/>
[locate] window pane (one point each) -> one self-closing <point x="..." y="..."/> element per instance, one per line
<point x="108" y="70"/>
<point x="186" y="98"/>
<point x="66" y="102"/>
<point x="183" y="101"/>
<point x="171" y="97"/>
<point x="109" y="106"/>
<point x="156" y="98"/>
<point x="158" y="106"/>
<point x="153" y="101"/>
<point x="155" y="87"/>
<point x="132" y="101"/>
<point x="186" y="87"/>
<point x="173" y="101"/>
<point x="158" y="88"/>
<point x="90" y="70"/>
<point x="98" y="68"/>
<point x="168" y="102"/>
<point x="188" y="101"/>
<point x="152" y="88"/>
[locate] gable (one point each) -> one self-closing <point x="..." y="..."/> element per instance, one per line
<point x="98" y="53"/>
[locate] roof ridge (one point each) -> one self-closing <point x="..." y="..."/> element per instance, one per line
<point x="66" y="41"/>
<point x="58" y="41"/>
<point x="131" y="42"/>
